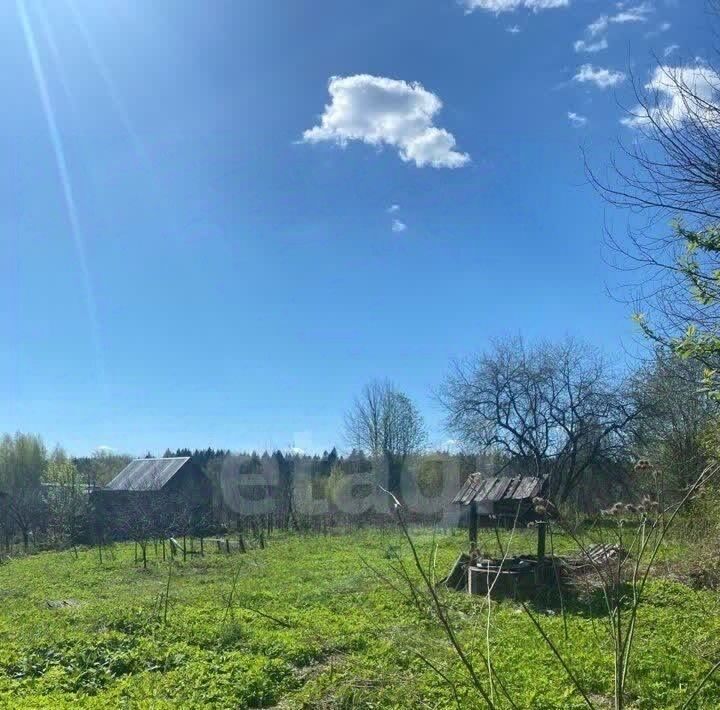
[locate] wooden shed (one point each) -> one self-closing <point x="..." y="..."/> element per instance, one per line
<point x="155" y="494"/>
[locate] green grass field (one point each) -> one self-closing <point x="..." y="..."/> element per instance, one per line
<point x="311" y="625"/>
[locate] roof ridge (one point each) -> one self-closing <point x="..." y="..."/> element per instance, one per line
<point x="161" y="458"/>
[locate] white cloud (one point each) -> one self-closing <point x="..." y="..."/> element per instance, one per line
<point x="670" y="49"/>
<point x="602" y="78"/>
<point x="576" y="119"/>
<point x="600" y="25"/>
<point x="664" y="27"/>
<point x="513" y="29"/>
<point x="398" y="226"/>
<point x="499" y="6"/>
<point x="582" y="46"/>
<point x="681" y="92"/>
<point x="636" y="13"/>
<point x="381" y="111"/>
<point x="393" y="208"/>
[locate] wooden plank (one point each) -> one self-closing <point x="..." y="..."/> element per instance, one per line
<point x="479" y="488"/>
<point x="498" y="489"/>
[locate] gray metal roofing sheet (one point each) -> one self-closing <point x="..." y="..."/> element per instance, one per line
<point x="146" y="474"/>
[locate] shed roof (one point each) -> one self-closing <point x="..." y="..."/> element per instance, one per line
<point x="147" y="474"/>
<point x="480" y="488"/>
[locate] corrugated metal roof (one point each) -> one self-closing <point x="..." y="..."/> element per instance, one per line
<point x="480" y="488"/>
<point x="146" y="474"/>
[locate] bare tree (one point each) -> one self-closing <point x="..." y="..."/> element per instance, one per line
<point x="139" y="513"/>
<point x="668" y="176"/>
<point x="384" y="423"/>
<point x="553" y="409"/>
<point x="67" y="500"/>
<point x="143" y="518"/>
<point x="677" y="414"/>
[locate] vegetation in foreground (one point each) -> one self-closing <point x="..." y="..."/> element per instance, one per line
<point x="307" y="622"/>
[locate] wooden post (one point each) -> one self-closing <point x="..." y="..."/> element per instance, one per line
<point x="540" y="567"/>
<point x="542" y="530"/>
<point x="473" y="525"/>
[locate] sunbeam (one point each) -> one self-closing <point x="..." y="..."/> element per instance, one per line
<point x="49" y="37"/>
<point x="143" y="156"/>
<point x="66" y="183"/>
<point x="110" y="86"/>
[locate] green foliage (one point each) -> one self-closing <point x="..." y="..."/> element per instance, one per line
<point x="338" y="636"/>
<point x="100" y="468"/>
<point x="697" y="268"/>
<point x="23" y="459"/>
<point x="63" y="472"/>
<point x="431" y="473"/>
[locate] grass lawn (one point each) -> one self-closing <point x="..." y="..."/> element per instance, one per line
<point x="311" y="625"/>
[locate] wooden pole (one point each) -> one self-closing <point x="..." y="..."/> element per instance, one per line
<point x="473" y="525"/>
<point x="542" y="531"/>
<point x="540" y="567"/>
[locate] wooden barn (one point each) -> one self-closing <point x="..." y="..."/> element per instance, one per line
<point x="154" y="497"/>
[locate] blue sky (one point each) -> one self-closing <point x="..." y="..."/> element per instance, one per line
<point x="185" y="262"/>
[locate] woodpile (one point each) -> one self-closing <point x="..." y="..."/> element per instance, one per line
<point x="594" y="558"/>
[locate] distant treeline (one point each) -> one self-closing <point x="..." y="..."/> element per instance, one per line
<point x="99" y="470"/>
